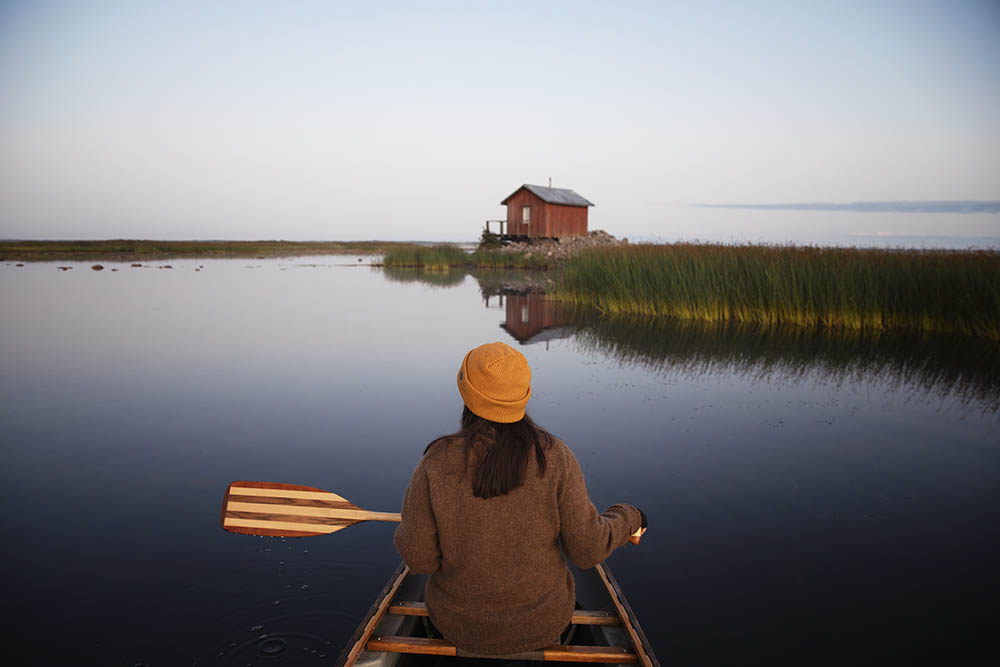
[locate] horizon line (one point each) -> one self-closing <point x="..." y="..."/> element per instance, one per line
<point x="931" y="206"/>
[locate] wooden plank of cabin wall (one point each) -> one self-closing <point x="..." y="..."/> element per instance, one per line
<point x="566" y="220"/>
<point x="538" y="208"/>
<point x="556" y="220"/>
<point x="542" y="229"/>
<point x="576" y="221"/>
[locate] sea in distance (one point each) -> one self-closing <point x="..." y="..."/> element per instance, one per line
<point x="813" y="498"/>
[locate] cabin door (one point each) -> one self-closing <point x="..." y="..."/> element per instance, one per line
<point x="525" y="219"/>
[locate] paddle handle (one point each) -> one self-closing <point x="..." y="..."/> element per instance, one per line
<point x="380" y="516"/>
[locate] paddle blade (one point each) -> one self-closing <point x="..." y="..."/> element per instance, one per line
<point x="286" y="510"/>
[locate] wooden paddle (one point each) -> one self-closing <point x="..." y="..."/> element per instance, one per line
<point x="290" y="510"/>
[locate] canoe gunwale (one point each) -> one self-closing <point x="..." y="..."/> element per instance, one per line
<point x="364" y="630"/>
<point x="631" y="622"/>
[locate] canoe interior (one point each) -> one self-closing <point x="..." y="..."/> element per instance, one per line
<point x="398" y="622"/>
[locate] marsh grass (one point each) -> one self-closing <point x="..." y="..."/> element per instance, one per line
<point x="433" y="258"/>
<point x="135" y="249"/>
<point x="864" y="289"/>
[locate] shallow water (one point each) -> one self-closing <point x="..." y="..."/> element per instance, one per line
<point x="811" y="498"/>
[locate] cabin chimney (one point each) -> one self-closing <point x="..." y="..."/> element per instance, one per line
<point x="550" y="182"/>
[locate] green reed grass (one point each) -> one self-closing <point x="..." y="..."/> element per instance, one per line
<point x="139" y="249"/>
<point x="864" y="289"/>
<point x="439" y="257"/>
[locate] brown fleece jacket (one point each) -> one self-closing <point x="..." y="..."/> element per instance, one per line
<point x="498" y="581"/>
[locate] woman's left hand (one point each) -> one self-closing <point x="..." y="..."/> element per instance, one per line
<point x="637" y="535"/>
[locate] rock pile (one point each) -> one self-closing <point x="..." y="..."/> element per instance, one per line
<point x="564" y="248"/>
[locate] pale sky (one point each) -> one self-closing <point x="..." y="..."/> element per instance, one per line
<point x="378" y="120"/>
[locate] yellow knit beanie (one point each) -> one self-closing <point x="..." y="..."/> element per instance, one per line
<point x="495" y="382"/>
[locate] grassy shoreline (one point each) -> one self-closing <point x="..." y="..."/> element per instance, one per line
<point x="136" y="249"/>
<point x="864" y="289"/>
<point x="853" y="289"/>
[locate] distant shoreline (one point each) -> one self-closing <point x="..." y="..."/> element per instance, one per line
<point x="135" y="249"/>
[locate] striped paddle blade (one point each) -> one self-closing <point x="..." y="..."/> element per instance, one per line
<point x="290" y="510"/>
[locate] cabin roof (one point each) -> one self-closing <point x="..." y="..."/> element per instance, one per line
<point x="563" y="196"/>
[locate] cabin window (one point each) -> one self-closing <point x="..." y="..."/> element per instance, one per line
<point x="524" y="314"/>
<point x="525" y="215"/>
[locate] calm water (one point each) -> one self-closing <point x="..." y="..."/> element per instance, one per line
<point x="811" y="499"/>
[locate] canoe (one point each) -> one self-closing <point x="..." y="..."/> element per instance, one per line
<point x="393" y="632"/>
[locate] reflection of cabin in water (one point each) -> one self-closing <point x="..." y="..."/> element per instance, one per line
<point x="536" y="211"/>
<point x="531" y="318"/>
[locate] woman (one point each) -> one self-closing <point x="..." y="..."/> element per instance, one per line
<point x="492" y="509"/>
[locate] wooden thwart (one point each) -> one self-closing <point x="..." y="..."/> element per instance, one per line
<point x="580" y="616"/>
<point x="555" y="653"/>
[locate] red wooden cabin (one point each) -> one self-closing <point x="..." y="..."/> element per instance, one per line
<point x="535" y="211"/>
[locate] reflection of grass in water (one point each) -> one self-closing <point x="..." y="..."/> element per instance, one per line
<point x="449" y="278"/>
<point x="496" y="259"/>
<point x="491" y="282"/>
<point x="850" y="288"/>
<point x="934" y="364"/>
<point x="444" y="256"/>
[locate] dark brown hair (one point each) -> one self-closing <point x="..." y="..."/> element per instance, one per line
<point x="504" y="462"/>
